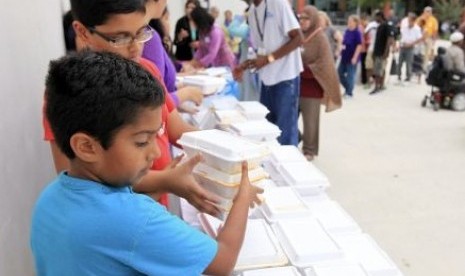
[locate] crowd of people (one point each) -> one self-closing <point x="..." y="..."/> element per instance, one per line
<point x="111" y="114"/>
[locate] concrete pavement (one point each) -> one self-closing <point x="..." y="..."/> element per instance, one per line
<point x="399" y="170"/>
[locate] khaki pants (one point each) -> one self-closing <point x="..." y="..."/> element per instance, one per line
<point x="310" y="108"/>
<point x="429" y="52"/>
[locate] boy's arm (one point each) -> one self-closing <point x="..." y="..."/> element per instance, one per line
<point x="177" y="126"/>
<point x="178" y="179"/>
<point x="232" y="234"/>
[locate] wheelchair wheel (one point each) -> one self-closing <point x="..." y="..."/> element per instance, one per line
<point x="458" y="102"/>
<point x="424" y="101"/>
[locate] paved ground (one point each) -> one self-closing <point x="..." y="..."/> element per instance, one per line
<point x="399" y="170"/>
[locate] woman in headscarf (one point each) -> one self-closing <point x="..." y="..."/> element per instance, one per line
<point x="319" y="80"/>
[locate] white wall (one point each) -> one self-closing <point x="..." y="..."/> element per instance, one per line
<point x="31" y="36"/>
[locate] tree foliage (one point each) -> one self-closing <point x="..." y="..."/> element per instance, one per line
<point x="448" y="10"/>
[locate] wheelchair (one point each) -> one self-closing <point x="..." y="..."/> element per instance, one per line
<point x="447" y="87"/>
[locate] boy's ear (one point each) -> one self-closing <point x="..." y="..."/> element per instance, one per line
<point x="82" y="33"/>
<point x="86" y="147"/>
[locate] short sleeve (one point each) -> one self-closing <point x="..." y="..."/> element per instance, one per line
<point x="358" y="37"/>
<point x="168" y="246"/>
<point x="288" y="18"/>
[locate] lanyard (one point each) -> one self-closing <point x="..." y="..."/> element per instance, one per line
<point x="260" y="32"/>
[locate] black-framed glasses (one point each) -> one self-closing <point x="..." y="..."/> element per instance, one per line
<point x="125" y="40"/>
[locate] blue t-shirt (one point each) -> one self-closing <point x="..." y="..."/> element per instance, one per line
<point x="352" y="38"/>
<point x="81" y="227"/>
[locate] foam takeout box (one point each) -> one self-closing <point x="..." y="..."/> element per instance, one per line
<point x="222" y="150"/>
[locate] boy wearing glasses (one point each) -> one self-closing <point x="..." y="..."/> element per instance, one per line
<point x="121" y="27"/>
<point x="105" y="112"/>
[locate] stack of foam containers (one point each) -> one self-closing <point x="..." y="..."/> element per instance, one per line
<point x="362" y="249"/>
<point x="289" y="167"/>
<point x="260" y="248"/>
<point x="318" y="236"/>
<point x="208" y="84"/>
<point x="223" y="154"/>
<point x="306" y="242"/>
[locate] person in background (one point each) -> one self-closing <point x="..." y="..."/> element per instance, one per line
<point x="232" y="41"/>
<point x="430" y="30"/>
<point x="319" y="80"/>
<point x="350" y="55"/>
<point x="185" y="34"/>
<point x="155" y="51"/>
<point x="214" y="12"/>
<point x="162" y="27"/>
<point x="383" y="41"/>
<point x="212" y="50"/>
<point x="370" y="36"/>
<point x="228" y="18"/>
<point x="121" y="27"/>
<point x="249" y="85"/>
<point x="276" y="33"/>
<point x="461" y="27"/>
<point x="88" y="221"/>
<point x="454" y="54"/>
<point x="363" y="54"/>
<point x="334" y="36"/>
<point x="410" y="36"/>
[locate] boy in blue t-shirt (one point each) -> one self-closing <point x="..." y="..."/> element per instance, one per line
<point x="105" y="112"/>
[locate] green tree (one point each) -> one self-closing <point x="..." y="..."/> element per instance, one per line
<point x="448" y="10"/>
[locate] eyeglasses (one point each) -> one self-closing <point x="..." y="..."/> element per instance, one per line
<point x="301" y="17"/>
<point x="125" y="40"/>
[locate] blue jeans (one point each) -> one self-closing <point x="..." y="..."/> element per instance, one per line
<point x="282" y="99"/>
<point x="346" y="73"/>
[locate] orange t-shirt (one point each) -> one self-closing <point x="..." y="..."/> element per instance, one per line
<point x="163" y="141"/>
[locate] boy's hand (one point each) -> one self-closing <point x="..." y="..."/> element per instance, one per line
<point x="186" y="186"/>
<point x="246" y="190"/>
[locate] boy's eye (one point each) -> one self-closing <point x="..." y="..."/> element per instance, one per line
<point x="141" y="144"/>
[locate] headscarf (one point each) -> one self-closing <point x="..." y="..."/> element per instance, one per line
<point x="317" y="56"/>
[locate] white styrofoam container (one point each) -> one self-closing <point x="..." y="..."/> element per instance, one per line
<point x="220" y="102"/>
<point x="336" y="270"/>
<point x="224" y="184"/>
<point x="260" y="130"/>
<point x="228" y="179"/>
<point x="222" y="150"/>
<point x="304" y="177"/>
<point x="209" y="85"/>
<point x="333" y="217"/>
<point x="273" y="271"/>
<point x="306" y="242"/>
<point x="285" y="154"/>
<point x="228" y="117"/>
<point x="214" y="71"/>
<point x="363" y="249"/>
<point x="282" y="203"/>
<point x="260" y="248"/>
<point x="275" y="175"/>
<point x="253" y="110"/>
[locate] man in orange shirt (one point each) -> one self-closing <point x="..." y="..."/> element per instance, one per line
<point x="430" y="31"/>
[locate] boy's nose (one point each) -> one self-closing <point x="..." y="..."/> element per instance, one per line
<point x="155" y="152"/>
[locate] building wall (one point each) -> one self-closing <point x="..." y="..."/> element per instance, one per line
<point x="31" y="36"/>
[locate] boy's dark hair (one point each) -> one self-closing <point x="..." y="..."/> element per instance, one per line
<point x="195" y="2"/>
<point x="92" y="13"/>
<point x="97" y="94"/>
<point x="202" y="19"/>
